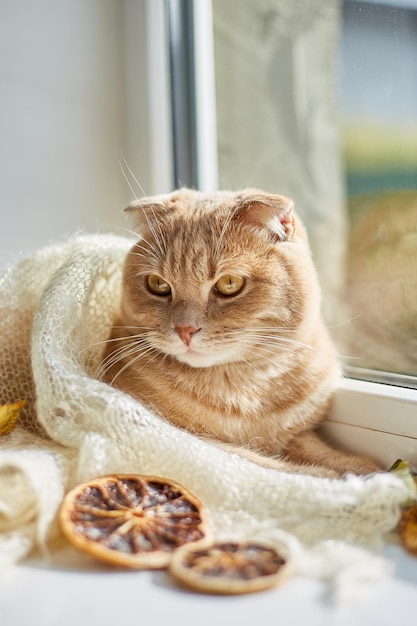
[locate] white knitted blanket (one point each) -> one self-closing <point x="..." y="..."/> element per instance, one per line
<point x="56" y="309"/>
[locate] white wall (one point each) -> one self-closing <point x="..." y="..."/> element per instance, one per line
<point x="64" y="110"/>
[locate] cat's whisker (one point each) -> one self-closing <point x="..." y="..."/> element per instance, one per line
<point x="132" y="361"/>
<point x="135" y="342"/>
<point x="133" y="357"/>
<point x="144" y="194"/>
<point x="267" y="346"/>
<point x="157" y="354"/>
<point x="142" y="255"/>
<point x="344" y="322"/>
<point x="139" y="238"/>
<point x="272" y="361"/>
<point x="277" y="339"/>
<point x="133" y="327"/>
<point x="150" y="258"/>
<point x="122" y="167"/>
<point x="255" y="336"/>
<point x="126" y="164"/>
<point x="222" y="233"/>
<point x="120" y="354"/>
<point x="298" y="365"/>
<point x="158" y="242"/>
<point x="261" y="352"/>
<point x="269" y="329"/>
<point x="265" y="329"/>
<point x="241" y="360"/>
<point x="146" y="250"/>
<point x="258" y="352"/>
<point x="129" y="231"/>
<point x="152" y="251"/>
<point x="107" y="341"/>
<point x="125" y="366"/>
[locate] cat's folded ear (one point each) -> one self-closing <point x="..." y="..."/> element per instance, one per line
<point x="147" y="210"/>
<point x="274" y="212"/>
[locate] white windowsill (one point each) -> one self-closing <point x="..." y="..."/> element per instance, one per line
<point x="376" y="420"/>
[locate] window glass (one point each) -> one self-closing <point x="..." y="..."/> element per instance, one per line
<point x="379" y="114"/>
<point x="318" y="100"/>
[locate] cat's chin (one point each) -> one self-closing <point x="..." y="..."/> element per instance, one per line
<point x="197" y="359"/>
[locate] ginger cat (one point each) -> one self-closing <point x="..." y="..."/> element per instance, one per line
<point x="220" y="330"/>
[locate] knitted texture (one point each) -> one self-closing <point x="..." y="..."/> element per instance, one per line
<point x="56" y="310"/>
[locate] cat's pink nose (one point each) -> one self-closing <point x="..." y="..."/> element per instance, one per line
<point x="186" y="333"/>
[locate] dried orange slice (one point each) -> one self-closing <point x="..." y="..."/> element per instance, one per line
<point x="229" y="568"/>
<point x="407" y="529"/>
<point x="131" y="520"/>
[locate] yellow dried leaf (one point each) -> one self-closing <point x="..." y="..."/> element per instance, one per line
<point x="403" y="470"/>
<point x="407" y="529"/>
<point x="9" y="414"/>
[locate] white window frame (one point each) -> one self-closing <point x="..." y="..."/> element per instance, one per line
<point x="206" y="96"/>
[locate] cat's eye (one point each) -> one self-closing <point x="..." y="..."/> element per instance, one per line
<point x="158" y="285"/>
<point x="229" y="285"/>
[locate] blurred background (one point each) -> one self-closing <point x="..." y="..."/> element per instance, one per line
<point x="316" y="99"/>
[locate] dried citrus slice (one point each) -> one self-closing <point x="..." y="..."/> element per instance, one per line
<point x="407" y="528"/>
<point x="131" y="520"/>
<point x="229" y="568"/>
